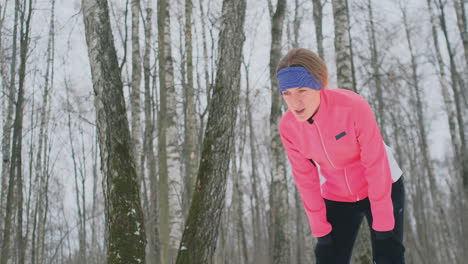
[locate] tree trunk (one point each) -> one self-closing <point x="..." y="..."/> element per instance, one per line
<point x="190" y="142"/>
<point x="451" y="116"/>
<point x="427" y="162"/>
<point x="16" y="179"/>
<point x="237" y="197"/>
<point x="457" y="86"/>
<point x="428" y="173"/>
<point x="135" y="104"/>
<point x="459" y="92"/>
<point x="318" y="17"/>
<point x="199" y="238"/>
<point x="375" y="56"/>
<point x="169" y="161"/>
<point x="344" y="59"/>
<point x="300" y="240"/>
<point x="207" y="77"/>
<point x="279" y="238"/>
<point x="42" y="139"/>
<point x="81" y="224"/>
<point x="126" y="236"/>
<point x="461" y="23"/>
<point x="152" y="223"/>
<point x="7" y="127"/>
<point x="94" y="243"/>
<point x="296" y="24"/>
<point x="258" y="204"/>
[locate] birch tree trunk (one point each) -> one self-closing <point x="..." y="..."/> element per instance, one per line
<point x="135" y="104"/>
<point x="199" y="238"/>
<point x="296" y="24"/>
<point x="125" y="227"/>
<point x="461" y="23"/>
<point x="209" y="82"/>
<point x="318" y="17"/>
<point x="279" y="238"/>
<point x="170" y="180"/>
<point x="190" y="142"/>
<point x="344" y="59"/>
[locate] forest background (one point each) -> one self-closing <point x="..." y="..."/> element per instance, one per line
<point x="182" y="71"/>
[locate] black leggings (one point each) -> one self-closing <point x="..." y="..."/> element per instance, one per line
<point x="346" y="218"/>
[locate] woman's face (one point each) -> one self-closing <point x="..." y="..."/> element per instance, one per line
<point x="302" y="102"/>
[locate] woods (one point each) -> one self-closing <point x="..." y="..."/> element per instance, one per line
<point x="147" y="131"/>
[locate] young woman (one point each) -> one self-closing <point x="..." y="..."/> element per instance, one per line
<point x="341" y="166"/>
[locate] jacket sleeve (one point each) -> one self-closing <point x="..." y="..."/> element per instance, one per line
<point x="377" y="168"/>
<point x="308" y="184"/>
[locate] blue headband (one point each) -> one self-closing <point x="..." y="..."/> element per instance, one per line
<point x="296" y="76"/>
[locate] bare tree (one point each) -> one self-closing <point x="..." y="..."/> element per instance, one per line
<point x="428" y="187"/>
<point x="458" y="87"/>
<point x="152" y="252"/>
<point x="199" y="238"/>
<point x="15" y="170"/>
<point x="257" y="202"/>
<point x="7" y="126"/>
<point x="135" y="104"/>
<point x="462" y="23"/>
<point x="77" y="169"/>
<point x="190" y="142"/>
<point x="376" y="59"/>
<point x="344" y="59"/>
<point x="280" y="249"/>
<point x="125" y="227"/>
<point x="170" y="181"/>
<point x="318" y="18"/>
<point x="206" y="74"/>
<point x="237" y="194"/>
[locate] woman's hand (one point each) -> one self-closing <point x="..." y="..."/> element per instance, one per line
<point x="389" y="250"/>
<point x="325" y="250"/>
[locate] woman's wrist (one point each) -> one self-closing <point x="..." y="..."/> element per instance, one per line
<point x="326" y="239"/>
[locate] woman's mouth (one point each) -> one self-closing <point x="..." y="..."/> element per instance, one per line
<point x="299" y="112"/>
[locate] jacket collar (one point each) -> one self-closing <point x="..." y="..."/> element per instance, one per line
<point x="322" y="109"/>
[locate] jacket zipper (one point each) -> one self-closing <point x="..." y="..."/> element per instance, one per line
<point x="349" y="188"/>
<point x="323" y="145"/>
<point x="329" y="160"/>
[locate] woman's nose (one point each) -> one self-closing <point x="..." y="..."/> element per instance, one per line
<point x="296" y="100"/>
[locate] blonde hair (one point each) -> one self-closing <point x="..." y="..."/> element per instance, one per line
<point x="307" y="59"/>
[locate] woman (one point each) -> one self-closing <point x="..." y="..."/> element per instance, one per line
<point x="341" y="166"/>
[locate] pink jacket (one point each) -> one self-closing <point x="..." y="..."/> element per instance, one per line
<point x="345" y="143"/>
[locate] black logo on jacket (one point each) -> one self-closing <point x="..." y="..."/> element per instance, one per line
<point x="340" y="135"/>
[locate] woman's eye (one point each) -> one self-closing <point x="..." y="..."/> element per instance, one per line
<point x="302" y="91"/>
